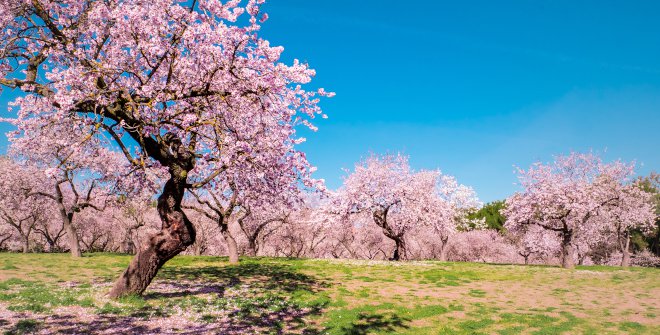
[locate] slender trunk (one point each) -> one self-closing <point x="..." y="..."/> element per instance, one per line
<point x="176" y="234"/>
<point x="625" y="260"/>
<point x="567" y="250"/>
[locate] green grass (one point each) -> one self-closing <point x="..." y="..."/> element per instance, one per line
<point x="341" y="297"/>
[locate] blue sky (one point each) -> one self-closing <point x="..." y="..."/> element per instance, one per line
<point x="475" y="87"/>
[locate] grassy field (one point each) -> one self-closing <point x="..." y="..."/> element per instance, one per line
<point x="52" y="293"/>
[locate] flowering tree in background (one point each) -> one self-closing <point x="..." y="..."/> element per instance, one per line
<point x="219" y="209"/>
<point x="534" y="241"/>
<point x="134" y="217"/>
<point x="80" y="169"/>
<point x="481" y="245"/>
<point x="566" y="197"/>
<point x="450" y="213"/>
<point x="176" y="85"/>
<point x="399" y="199"/>
<point x="17" y="211"/>
<point x="51" y="231"/>
<point x="388" y="191"/>
<point x="259" y="223"/>
<point x="651" y="184"/>
<point x="632" y="209"/>
<point x="5" y="236"/>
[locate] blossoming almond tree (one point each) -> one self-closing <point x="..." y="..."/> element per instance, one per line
<point x="534" y="241"/>
<point x="17" y="212"/>
<point x="397" y="198"/>
<point x="80" y="170"/>
<point x="565" y="197"/>
<point x="453" y="202"/>
<point x="632" y="209"/>
<point x="178" y="86"/>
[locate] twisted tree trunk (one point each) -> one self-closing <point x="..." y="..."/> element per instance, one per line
<point x="176" y="234"/>
<point x="380" y="218"/>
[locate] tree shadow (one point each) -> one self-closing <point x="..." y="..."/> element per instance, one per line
<point x="266" y="276"/>
<point x="184" y="289"/>
<point x="368" y="323"/>
<point x="240" y="299"/>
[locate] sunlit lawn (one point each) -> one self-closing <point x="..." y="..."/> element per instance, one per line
<point x="47" y="293"/>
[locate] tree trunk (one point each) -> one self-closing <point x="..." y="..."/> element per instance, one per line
<point x="74" y="242"/>
<point x="444" y="249"/>
<point x="67" y="223"/>
<point x="399" y="250"/>
<point x="176" y="234"/>
<point x="380" y="218"/>
<point x="252" y="247"/>
<point x="625" y="259"/>
<point x="567" y="251"/>
<point x="26" y="244"/>
<point x="232" y="248"/>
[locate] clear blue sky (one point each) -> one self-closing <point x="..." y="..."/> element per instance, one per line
<point x="475" y="87"/>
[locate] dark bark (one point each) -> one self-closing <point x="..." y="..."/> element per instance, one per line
<point x="380" y="218"/>
<point x="176" y="234"/>
<point x="399" y="249"/>
<point x="252" y="247"/>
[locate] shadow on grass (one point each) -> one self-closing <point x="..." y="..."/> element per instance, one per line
<point x="369" y="323"/>
<point x="249" y="298"/>
<point x="266" y="276"/>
